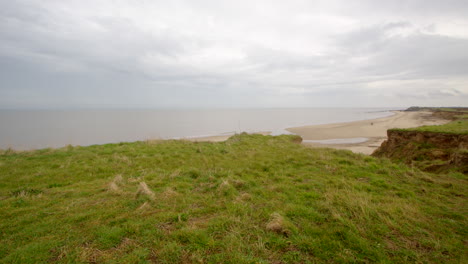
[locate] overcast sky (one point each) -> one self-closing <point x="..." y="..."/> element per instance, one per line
<point x="212" y="53"/>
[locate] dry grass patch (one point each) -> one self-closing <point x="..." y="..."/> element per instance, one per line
<point x="118" y="179"/>
<point x="169" y="193"/>
<point x="143" y="189"/>
<point x="91" y="254"/>
<point x="145" y="206"/>
<point x="243" y="197"/>
<point x="135" y="179"/>
<point x="278" y="224"/>
<point x="199" y="222"/>
<point x="174" y="174"/>
<point x="113" y="186"/>
<point x="224" y="185"/>
<point x="226" y="188"/>
<point x="122" y="158"/>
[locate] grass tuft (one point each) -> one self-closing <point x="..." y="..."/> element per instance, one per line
<point x="112" y="187"/>
<point x="278" y="224"/>
<point x="144" y="190"/>
<point x="22" y="192"/>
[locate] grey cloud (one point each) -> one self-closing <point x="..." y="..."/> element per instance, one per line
<point x="399" y="8"/>
<point x="205" y="53"/>
<point x="418" y="55"/>
<point x="269" y="59"/>
<point x="111" y="43"/>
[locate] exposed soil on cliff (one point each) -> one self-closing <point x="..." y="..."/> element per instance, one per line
<point x="429" y="151"/>
<point x="434" y="148"/>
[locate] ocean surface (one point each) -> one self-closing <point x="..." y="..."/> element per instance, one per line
<point x="28" y="129"/>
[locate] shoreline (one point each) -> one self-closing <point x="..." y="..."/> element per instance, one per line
<point x="374" y="130"/>
<point x="362" y="136"/>
<point x="226" y="136"/>
<point x="33" y="130"/>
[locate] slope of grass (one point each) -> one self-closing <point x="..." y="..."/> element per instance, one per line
<point x="459" y="126"/>
<point x="252" y="199"/>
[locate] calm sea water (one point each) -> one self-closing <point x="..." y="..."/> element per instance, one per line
<point x="25" y="129"/>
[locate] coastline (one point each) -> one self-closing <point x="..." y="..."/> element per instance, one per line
<point x="363" y="136"/>
<point x="31" y="129"/>
<point x="374" y="130"/>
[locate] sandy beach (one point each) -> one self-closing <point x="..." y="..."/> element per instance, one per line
<point x="362" y="136"/>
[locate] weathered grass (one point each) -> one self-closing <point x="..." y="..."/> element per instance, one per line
<point x="144" y="190"/>
<point x="252" y="199"/>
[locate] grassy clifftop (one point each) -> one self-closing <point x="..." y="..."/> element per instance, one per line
<point x="252" y="199"/>
<point x="455" y="127"/>
<point x="458" y="126"/>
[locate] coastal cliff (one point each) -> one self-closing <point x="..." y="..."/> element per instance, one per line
<point x="430" y="151"/>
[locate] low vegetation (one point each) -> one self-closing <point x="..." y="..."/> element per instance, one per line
<point x="458" y="126"/>
<point x="251" y="199"/>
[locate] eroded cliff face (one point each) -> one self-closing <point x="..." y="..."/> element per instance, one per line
<point x="436" y="152"/>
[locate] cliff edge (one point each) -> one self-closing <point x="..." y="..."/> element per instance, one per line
<point x="429" y="151"/>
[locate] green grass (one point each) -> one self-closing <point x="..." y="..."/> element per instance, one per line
<point x="459" y="126"/>
<point x="252" y="199"/>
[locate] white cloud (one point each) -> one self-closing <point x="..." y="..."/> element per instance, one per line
<point x="279" y="53"/>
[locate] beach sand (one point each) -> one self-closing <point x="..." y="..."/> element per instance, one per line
<point x="374" y="130"/>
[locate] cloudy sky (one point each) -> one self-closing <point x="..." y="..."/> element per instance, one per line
<point x="213" y="53"/>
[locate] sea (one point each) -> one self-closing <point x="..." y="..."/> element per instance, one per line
<point x="36" y="129"/>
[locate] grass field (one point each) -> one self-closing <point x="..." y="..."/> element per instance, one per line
<point x="251" y="199"/>
<point x="459" y="126"/>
